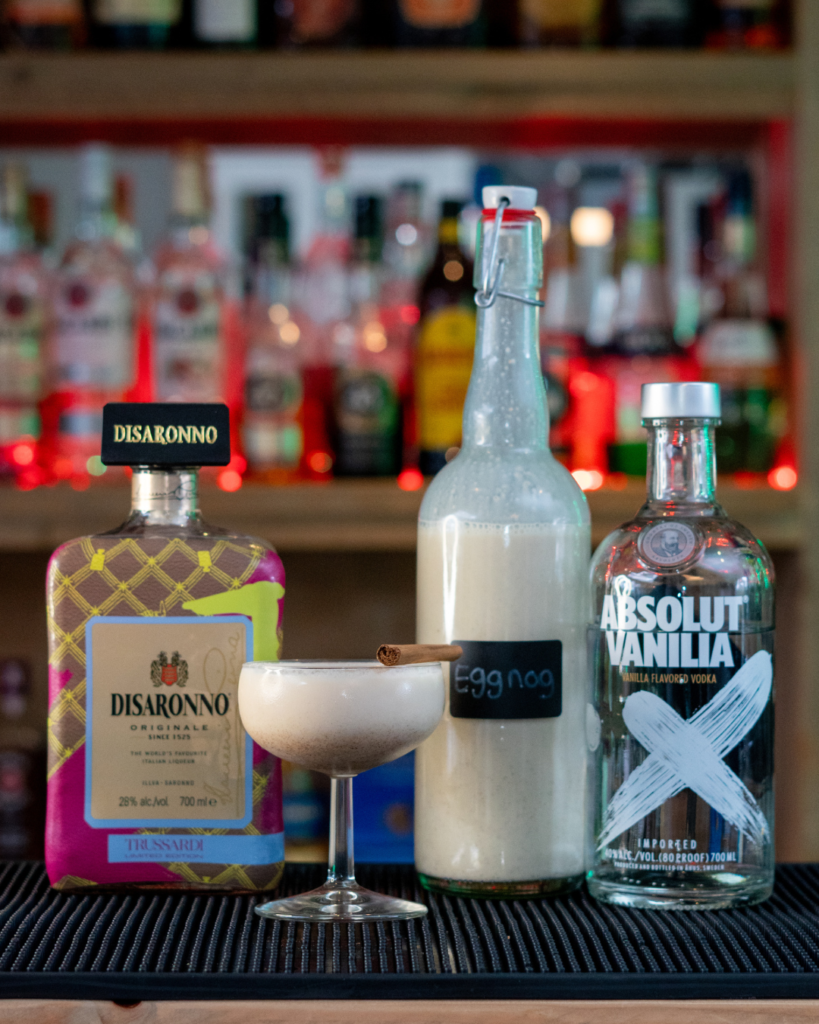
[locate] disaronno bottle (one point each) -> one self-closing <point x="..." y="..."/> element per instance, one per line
<point x="503" y="548"/>
<point x="683" y="673"/>
<point x="152" y="780"/>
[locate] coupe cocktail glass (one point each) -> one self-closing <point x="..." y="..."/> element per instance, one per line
<point x="340" y="718"/>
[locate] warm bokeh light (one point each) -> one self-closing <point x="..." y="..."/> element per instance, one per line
<point x="278" y="313"/>
<point x="320" y="462"/>
<point x="592" y="226"/>
<point x="80" y="483"/>
<point x="22" y="454"/>
<point x="410" y="479"/>
<point x="545" y="222"/>
<point x="453" y="270"/>
<point x="375" y="340"/>
<point x="410" y="314"/>
<point x="289" y="332"/>
<point x="237" y="462"/>
<point x="229" y="480"/>
<point x="783" y="478"/>
<point x="588" y="479"/>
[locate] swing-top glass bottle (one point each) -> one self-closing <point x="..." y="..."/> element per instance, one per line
<point x="682" y="642"/>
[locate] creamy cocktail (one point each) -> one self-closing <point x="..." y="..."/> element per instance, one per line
<point x="340" y="718"/>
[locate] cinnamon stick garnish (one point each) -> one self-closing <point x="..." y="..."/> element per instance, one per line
<point x="416" y="654"/>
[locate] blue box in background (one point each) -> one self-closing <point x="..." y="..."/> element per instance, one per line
<point x="383" y="803"/>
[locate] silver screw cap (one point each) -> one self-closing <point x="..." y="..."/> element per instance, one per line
<point x="690" y="400"/>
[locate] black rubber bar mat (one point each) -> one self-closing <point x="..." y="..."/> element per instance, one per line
<point x="156" y="945"/>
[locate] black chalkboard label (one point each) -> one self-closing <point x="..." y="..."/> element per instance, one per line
<point x="507" y="679"/>
<point x="165" y="434"/>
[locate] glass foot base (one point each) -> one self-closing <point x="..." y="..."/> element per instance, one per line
<point x="335" y="902"/>
<point x="502" y="890"/>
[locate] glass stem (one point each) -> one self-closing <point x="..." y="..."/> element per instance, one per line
<point x="341" y="863"/>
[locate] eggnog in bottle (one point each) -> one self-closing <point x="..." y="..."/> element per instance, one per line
<point x="503" y="550"/>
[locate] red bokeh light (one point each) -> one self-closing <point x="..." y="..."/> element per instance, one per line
<point x="783" y="478"/>
<point x="410" y="314"/>
<point x="410" y="480"/>
<point x="22" y="454"/>
<point x="320" y="462"/>
<point x="229" y="480"/>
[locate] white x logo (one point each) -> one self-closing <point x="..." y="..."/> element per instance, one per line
<point x="689" y="753"/>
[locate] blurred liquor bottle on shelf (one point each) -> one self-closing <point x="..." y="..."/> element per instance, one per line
<point x="642" y="349"/>
<point x="384" y="815"/>
<point x="562" y="324"/>
<point x="91" y="358"/>
<point x="134" y="24"/>
<point x="126" y="232"/>
<point x="189" y="317"/>
<point x="674" y="23"/>
<point x="738" y="348"/>
<point x="305" y="808"/>
<point x="22" y="765"/>
<point x="366" y="407"/>
<point x="440" y="22"/>
<point x="23" y="324"/>
<point x="559" y="22"/>
<point x="322" y="310"/>
<point x="406" y="258"/>
<point x="224" y="24"/>
<point x="273" y="429"/>
<point x="317" y="23"/>
<point x="748" y="24"/>
<point x="43" y="24"/>
<point x="446" y="344"/>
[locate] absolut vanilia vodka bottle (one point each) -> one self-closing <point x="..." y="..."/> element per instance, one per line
<point x="683" y="633"/>
<point x="503" y="543"/>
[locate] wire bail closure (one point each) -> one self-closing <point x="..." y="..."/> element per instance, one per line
<point x="491" y="289"/>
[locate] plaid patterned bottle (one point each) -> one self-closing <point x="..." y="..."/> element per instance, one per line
<point x="152" y="781"/>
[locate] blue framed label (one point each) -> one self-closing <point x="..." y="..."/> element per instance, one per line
<point x="165" y="746"/>
<point x="148" y="849"/>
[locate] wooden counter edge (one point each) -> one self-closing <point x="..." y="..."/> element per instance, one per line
<point x="455" y="1011"/>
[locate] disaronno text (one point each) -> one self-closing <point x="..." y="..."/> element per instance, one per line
<point x="137" y="434"/>
<point x="159" y="705"/>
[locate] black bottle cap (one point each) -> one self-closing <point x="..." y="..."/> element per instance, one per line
<point x="451" y="208"/>
<point x="165" y="434"/>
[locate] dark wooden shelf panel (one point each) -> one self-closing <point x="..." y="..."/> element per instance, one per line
<point x="345" y="515"/>
<point x="390" y="85"/>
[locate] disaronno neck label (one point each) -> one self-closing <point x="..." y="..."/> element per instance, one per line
<point x="164" y="742"/>
<point x="165" y="434"/>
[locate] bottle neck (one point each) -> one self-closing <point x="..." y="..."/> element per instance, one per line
<point x="682" y="465"/>
<point x="165" y="497"/>
<point x="96" y="221"/>
<point x="448" y="231"/>
<point x="506" y="402"/>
